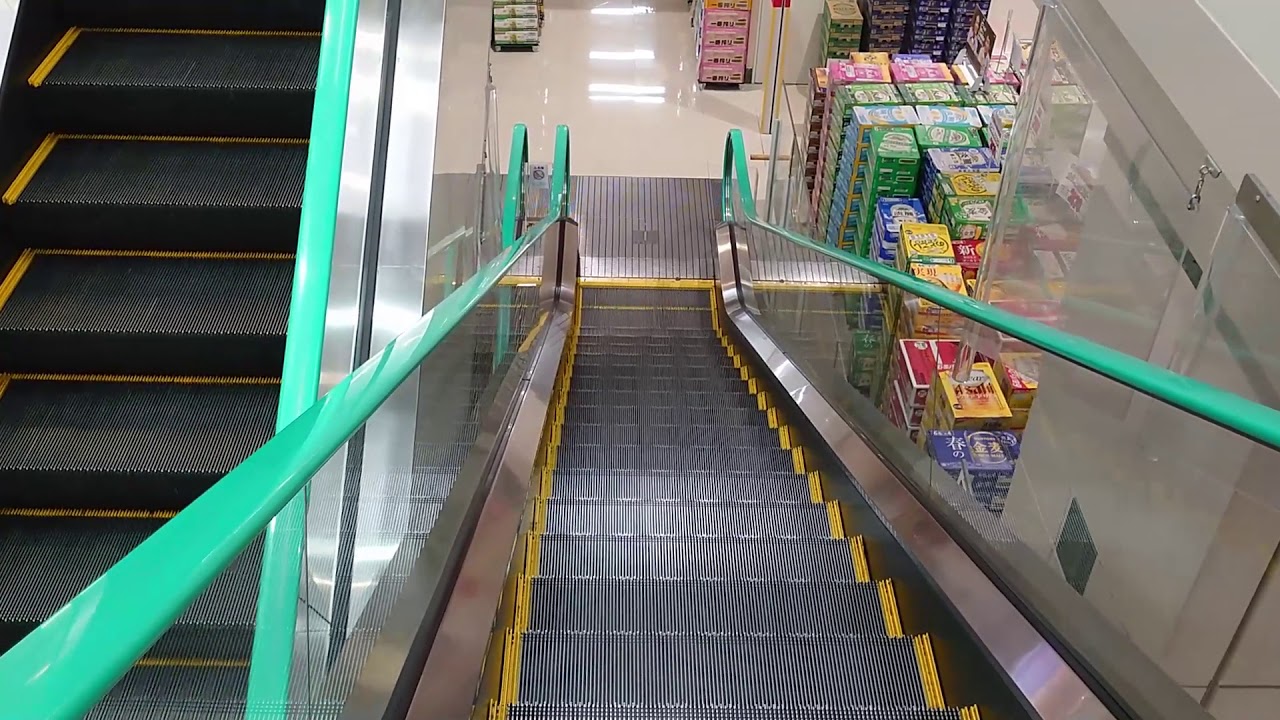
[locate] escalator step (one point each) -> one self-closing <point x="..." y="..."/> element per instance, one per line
<point x="722" y="385"/>
<point x="735" y="414"/>
<point x="200" y="15"/>
<point x="583" y="394"/>
<point x="753" y="671"/>
<point x="705" y="519"/>
<point x="727" y="436"/>
<point x="652" y="712"/>
<point x="696" y="558"/>
<point x="643" y="351"/>
<point x="727" y="607"/>
<point x="640" y="297"/>
<point x="648" y="320"/>
<point x="674" y="458"/>
<point x="645" y="485"/>
<point x="46" y="561"/>
<point x="147" y="315"/>
<point x="590" y="366"/>
<point x="180" y="83"/>
<point x="152" y="445"/>
<point x="177" y="689"/>
<point x="161" y="194"/>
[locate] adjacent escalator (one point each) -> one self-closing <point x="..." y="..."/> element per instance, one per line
<point x="156" y="154"/>
<point x="683" y="561"/>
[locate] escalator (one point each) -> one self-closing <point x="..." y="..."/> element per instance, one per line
<point x="683" y="561"/>
<point x="155" y="154"/>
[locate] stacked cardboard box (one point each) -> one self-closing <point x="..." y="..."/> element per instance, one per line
<point x="516" y="25"/>
<point x="848" y="191"/>
<point x="844" y="101"/>
<point x="962" y="12"/>
<point x="866" y="350"/>
<point x="841" y="29"/>
<point x="886" y="23"/>
<point x="817" y="108"/>
<point x="982" y="462"/>
<point x="927" y="27"/>
<point x="914" y="364"/>
<point x="885" y="235"/>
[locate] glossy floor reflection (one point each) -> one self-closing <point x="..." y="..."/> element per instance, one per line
<point x="622" y="74"/>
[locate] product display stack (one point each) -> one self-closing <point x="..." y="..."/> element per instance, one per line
<point x="516" y="25"/>
<point x="962" y="13"/>
<point x="721" y="33"/>
<point x="817" y="109"/>
<point x="835" y="192"/>
<point x="865" y="69"/>
<point x="841" y="29"/>
<point x="841" y="204"/>
<point x="927" y="25"/>
<point x="886" y="24"/>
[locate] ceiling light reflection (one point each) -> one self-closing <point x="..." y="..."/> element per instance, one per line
<point x="638" y="99"/>
<point x="621" y="55"/>
<point x="616" y="89"/>
<point x="636" y="10"/>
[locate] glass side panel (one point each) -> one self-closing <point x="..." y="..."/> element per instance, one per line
<point x="1113" y="506"/>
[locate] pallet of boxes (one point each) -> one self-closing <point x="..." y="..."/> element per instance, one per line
<point x="516" y="25"/>
<point x="841" y="29"/>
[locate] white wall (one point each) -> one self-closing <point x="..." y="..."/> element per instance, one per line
<point x="1226" y="99"/>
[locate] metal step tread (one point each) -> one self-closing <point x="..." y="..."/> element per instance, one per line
<point x="674" y="458"/>
<point x="709" y="607"/>
<point x="596" y="297"/>
<point x="715" y="670"/>
<point x="525" y="711"/>
<point x="651" y="557"/>
<point x="584" y="394"/>
<point x="723" y="436"/>
<point x="133" y="428"/>
<point x="183" y="688"/>
<point x="176" y="173"/>
<point x="46" y="561"/>
<point x="223" y="61"/>
<point x="101" y="293"/>
<point x="687" y="519"/>
<point x="585" y="484"/>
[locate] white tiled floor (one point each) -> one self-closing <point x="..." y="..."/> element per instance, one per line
<point x="622" y="74"/>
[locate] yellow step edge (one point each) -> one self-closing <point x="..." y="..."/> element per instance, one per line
<point x="194" y="663"/>
<point x="773" y="416"/>
<point x="10" y="282"/>
<point x="168" y="254"/>
<point x="858" y="548"/>
<point x="532" y="552"/>
<point x="644" y="308"/>
<point x="41" y="73"/>
<point x="88" y="513"/>
<point x="510" y="668"/>
<point x="835" y="519"/>
<point x="970" y="713"/>
<point x="166" y="379"/>
<point x="798" y="462"/>
<point x="815" y="487"/>
<point x="647" y="283"/>
<point x="520" y="281"/>
<point x="539" y="516"/>
<point x="843" y="288"/>
<point x="186" y="138"/>
<point x="889" y="606"/>
<point x="4" y="385"/>
<point x="784" y="437"/>
<point x="533" y="334"/>
<point x="226" y="33"/>
<point x="29" y="169"/>
<point x="929" y="679"/>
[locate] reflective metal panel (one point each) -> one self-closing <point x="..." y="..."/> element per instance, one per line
<point x="8" y="16"/>
<point x="344" y="312"/>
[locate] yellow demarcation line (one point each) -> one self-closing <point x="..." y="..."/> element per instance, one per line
<point x="647" y="283"/>
<point x="4" y="384"/>
<point x="166" y="254"/>
<point x="889" y="606"/>
<point x="11" y="280"/>
<point x="520" y="281"/>
<point x="835" y="519"/>
<point x="207" y="663"/>
<point x="167" y="379"/>
<point x="29" y="169"/>
<point x="88" y="513"/>
<point x="815" y="487"/>
<point x="861" y="570"/>
<point x="928" y="672"/>
<point x="46" y="66"/>
<point x="46" y="146"/>
<point x="798" y="462"/>
<point x="225" y="33"/>
<point x="509" y="680"/>
<point x="533" y="334"/>
<point x="970" y="713"/>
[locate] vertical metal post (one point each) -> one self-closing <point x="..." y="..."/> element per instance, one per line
<point x="773" y="163"/>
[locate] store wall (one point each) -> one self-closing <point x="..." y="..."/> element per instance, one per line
<point x="1200" y="54"/>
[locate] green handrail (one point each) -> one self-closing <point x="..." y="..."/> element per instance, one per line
<point x="1228" y="410"/>
<point x="273" y="642"/>
<point x="67" y="664"/>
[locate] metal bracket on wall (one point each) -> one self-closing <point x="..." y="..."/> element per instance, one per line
<point x="1209" y="169"/>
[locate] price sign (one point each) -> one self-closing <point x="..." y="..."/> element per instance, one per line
<point x="980" y="43"/>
